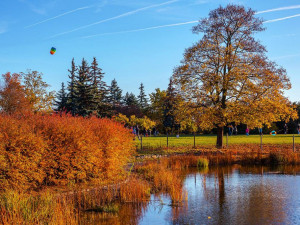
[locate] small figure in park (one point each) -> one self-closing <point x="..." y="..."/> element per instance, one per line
<point x="235" y="130"/>
<point x="298" y="128"/>
<point x="285" y="128"/>
<point x="230" y="130"/>
<point x="260" y="131"/>
<point x="273" y="133"/>
<point x="247" y="131"/>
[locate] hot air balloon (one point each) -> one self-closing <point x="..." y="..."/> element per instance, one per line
<point x="52" y="51"/>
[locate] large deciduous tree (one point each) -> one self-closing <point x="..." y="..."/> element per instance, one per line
<point x="226" y="77"/>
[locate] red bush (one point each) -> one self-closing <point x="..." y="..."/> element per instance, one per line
<point x="51" y="149"/>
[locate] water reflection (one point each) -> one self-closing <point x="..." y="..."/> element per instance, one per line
<point x="221" y="195"/>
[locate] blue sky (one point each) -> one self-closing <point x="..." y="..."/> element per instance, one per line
<point x="148" y="54"/>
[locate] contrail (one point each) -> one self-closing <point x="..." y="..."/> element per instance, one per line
<point x="60" y="15"/>
<point x="178" y="24"/>
<point x="280" y="9"/>
<point x="115" y="17"/>
<point x="283" y="18"/>
<point x="142" y="29"/>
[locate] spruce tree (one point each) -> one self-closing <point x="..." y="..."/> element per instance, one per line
<point x="169" y="108"/>
<point x="130" y="99"/>
<point x="71" y="102"/>
<point x="100" y="89"/>
<point x="84" y="91"/>
<point x="142" y="99"/>
<point x="115" y="94"/>
<point x="61" y="99"/>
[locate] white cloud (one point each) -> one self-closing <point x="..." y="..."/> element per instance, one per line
<point x="115" y="17"/>
<point x="143" y="29"/>
<point x="60" y="15"/>
<point x="280" y="9"/>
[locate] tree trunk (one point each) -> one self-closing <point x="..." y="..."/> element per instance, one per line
<point x="219" y="137"/>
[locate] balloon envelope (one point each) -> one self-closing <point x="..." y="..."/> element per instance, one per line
<point x="52" y="51"/>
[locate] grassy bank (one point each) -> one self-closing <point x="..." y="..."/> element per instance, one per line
<point x="164" y="175"/>
<point x="210" y="140"/>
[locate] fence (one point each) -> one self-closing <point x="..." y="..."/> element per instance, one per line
<point x="198" y="141"/>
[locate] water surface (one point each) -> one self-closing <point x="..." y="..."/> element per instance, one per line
<point x="223" y="195"/>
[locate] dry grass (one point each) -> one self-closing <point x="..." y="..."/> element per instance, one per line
<point x="162" y="176"/>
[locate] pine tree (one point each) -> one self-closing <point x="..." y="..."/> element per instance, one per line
<point x="61" y="102"/>
<point x="142" y="99"/>
<point x="115" y="94"/>
<point x="130" y="99"/>
<point x="169" y="108"/>
<point x="71" y="102"/>
<point x="100" y="89"/>
<point x="84" y="91"/>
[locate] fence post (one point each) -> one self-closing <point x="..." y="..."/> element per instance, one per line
<point x="261" y="143"/>
<point x="194" y="140"/>
<point x="167" y="140"/>
<point x="293" y="143"/>
<point x="227" y="140"/>
<point x="141" y="142"/>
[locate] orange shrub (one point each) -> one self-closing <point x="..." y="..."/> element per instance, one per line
<point x="52" y="149"/>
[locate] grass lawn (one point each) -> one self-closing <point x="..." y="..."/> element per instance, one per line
<point x="206" y="140"/>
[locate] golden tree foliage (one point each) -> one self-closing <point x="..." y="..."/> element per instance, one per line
<point x="12" y="95"/>
<point x="144" y="122"/>
<point x="36" y="92"/>
<point x="40" y="150"/>
<point x="226" y="77"/>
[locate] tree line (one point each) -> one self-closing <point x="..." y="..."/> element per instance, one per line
<point x="88" y="94"/>
<point x="224" y="79"/>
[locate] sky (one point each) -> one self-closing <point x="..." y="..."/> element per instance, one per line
<point x="134" y="41"/>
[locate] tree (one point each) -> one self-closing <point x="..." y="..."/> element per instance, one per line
<point x="99" y="89"/>
<point x="71" y="103"/>
<point x="115" y="94"/>
<point x="130" y="99"/>
<point x="146" y="123"/>
<point x="62" y="99"/>
<point x="84" y="91"/>
<point x="36" y="91"/>
<point x="121" y="119"/>
<point x="12" y="95"/>
<point x="142" y="98"/>
<point x="157" y="105"/>
<point x="171" y="104"/>
<point x="226" y="77"/>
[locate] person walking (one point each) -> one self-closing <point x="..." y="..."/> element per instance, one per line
<point x="260" y="131"/>
<point x="247" y="131"/>
<point x="285" y="128"/>
<point x="235" y="129"/>
<point x="230" y="130"/>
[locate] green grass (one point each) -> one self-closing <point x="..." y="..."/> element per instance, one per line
<point x="210" y="140"/>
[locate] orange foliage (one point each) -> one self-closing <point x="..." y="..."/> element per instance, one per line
<point x="39" y="150"/>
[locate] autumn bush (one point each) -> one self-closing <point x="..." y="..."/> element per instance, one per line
<point x="38" y="150"/>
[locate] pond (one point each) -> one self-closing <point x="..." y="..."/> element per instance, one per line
<point x="223" y="195"/>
